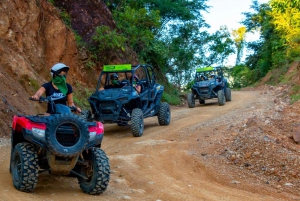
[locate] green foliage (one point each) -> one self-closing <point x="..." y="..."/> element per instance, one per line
<point x="80" y="43"/>
<point x="137" y="26"/>
<point x="295" y="98"/>
<point x="242" y="76"/>
<point x="164" y="33"/>
<point x="220" y="46"/>
<point x="34" y="83"/>
<point x="295" y="93"/>
<point x="279" y="45"/>
<point x="52" y="2"/>
<point x="189" y="85"/>
<point x="108" y="41"/>
<point x="171" y="95"/>
<point x="80" y="96"/>
<point x="66" y="18"/>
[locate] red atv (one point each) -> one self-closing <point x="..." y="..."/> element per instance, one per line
<point x="62" y="144"/>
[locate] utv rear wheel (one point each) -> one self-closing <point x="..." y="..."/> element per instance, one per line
<point x="66" y="135"/>
<point x="96" y="172"/>
<point x="228" y="94"/>
<point x="221" y="98"/>
<point x="191" y="100"/>
<point x="164" y="114"/>
<point x="24" y="167"/>
<point x="137" y="122"/>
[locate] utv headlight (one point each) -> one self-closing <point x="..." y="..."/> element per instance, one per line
<point x="39" y="133"/>
<point x="92" y="135"/>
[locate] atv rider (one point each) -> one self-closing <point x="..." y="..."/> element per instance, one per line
<point x="59" y="90"/>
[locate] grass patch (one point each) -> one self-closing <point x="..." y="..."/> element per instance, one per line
<point x="295" y="98"/>
<point x="30" y="85"/>
<point x="81" y="95"/>
<point x="171" y="95"/>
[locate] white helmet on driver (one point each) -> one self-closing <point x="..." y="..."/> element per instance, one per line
<point x="57" y="68"/>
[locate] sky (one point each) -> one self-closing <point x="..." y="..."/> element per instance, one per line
<point x="229" y="13"/>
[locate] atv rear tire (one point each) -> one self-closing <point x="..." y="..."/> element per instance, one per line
<point x="24" y="167"/>
<point x="191" y="100"/>
<point x="97" y="172"/>
<point x="164" y="114"/>
<point x="228" y="94"/>
<point x="66" y="135"/>
<point x="221" y="98"/>
<point x="137" y="122"/>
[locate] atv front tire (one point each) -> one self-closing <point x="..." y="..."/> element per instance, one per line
<point x="137" y="122"/>
<point x="221" y="98"/>
<point x="191" y="100"/>
<point x="164" y="114"/>
<point x="96" y="172"/>
<point x="24" y="167"/>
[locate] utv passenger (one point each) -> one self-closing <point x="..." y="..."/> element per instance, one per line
<point x="212" y="76"/>
<point x="136" y="85"/>
<point x="59" y="90"/>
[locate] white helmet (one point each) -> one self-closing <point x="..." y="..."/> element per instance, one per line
<point x="57" y="68"/>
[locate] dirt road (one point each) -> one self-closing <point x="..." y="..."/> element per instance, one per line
<point x="166" y="163"/>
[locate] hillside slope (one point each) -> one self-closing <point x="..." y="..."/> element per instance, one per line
<point x="33" y="37"/>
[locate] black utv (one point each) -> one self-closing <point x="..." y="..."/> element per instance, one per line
<point x="119" y="101"/>
<point x="209" y="83"/>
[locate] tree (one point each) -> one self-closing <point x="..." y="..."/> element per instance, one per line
<point x="239" y="37"/>
<point x="286" y="18"/>
<point x="220" y="47"/>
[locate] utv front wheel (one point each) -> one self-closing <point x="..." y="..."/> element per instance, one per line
<point x="228" y="94"/>
<point x="164" y="114"/>
<point x="191" y="100"/>
<point x="137" y="122"/>
<point x="221" y="98"/>
<point x="96" y="172"/>
<point x="24" y="167"/>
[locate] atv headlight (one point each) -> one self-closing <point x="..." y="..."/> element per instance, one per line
<point x="39" y="133"/>
<point x="92" y="135"/>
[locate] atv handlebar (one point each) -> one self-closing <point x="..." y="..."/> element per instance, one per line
<point x="41" y="99"/>
<point x="49" y="100"/>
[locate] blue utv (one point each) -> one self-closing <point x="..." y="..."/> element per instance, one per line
<point x="209" y="83"/>
<point x="123" y="104"/>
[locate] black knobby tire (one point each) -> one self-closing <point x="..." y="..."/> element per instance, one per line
<point x="97" y="172"/>
<point x="221" y="98"/>
<point x="228" y="94"/>
<point x="24" y="167"/>
<point x="66" y="135"/>
<point x="137" y="122"/>
<point x="164" y="114"/>
<point x="191" y="100"/>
